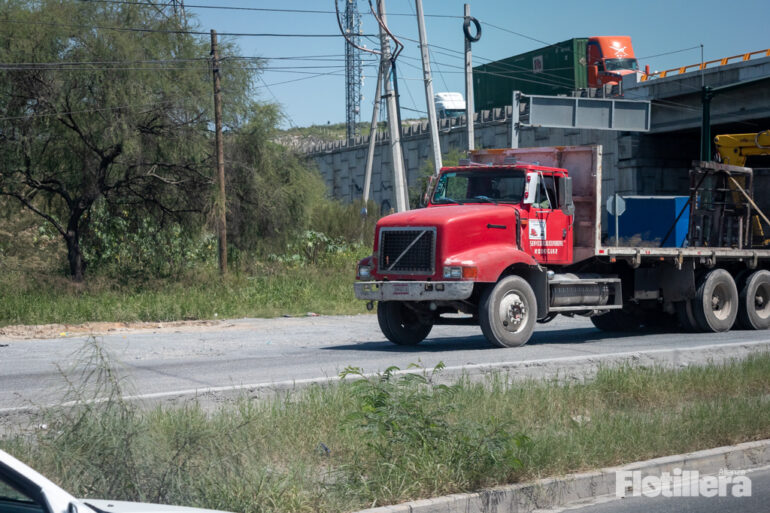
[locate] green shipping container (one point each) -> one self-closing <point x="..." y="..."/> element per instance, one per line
<point x="556" y="69"/>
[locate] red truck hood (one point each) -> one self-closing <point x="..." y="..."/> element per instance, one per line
<point x="444" y="215"/>
<point x="460" y="228"/>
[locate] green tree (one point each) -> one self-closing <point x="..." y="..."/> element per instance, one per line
<point x="271" y="190"/>
<point x="88" y="113"/>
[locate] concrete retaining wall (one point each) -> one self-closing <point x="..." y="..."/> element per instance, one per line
<point x="632" y="163"/>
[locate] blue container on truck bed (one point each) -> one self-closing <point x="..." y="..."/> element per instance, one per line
<point x="647" y="219"/>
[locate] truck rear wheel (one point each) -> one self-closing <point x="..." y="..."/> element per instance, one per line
<point x="507" y="312"/>
<point x="716" y="301"/>
<point x="754" y="302"/>
<point x="686" y="316"/>
<point x="400" y="324"/>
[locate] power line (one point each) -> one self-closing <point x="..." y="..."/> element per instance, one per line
<point x="260" y="9"/>
<point x="167" y="31"/>
<point x="331" y="73"/>
<point x="4" y="67"/>
<point x="288" y="117"/>
<point x="517" y="33"/>
<point x="670" y="53"/>
<point x="103" y="109"/>
<point x="220" y="7"/>
<point x="149" y="61"/>
<point x="312" y="58"/>
<point x="414" y="110"/>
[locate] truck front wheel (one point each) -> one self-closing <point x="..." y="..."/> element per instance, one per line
<point x="507" y="312"/>
<point x="400" y="324"/>
<point x="716" y="301"/>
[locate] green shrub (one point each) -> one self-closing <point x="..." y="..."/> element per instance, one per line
<point x="417" y="444"/>
<point x="122" y="245"/>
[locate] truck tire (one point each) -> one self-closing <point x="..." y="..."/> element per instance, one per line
<point x="754" y="302"/>
<point x="617" y="320"/>
<point x="686" y="317"/>
<point x="716" y="301"/>
<point x="400" y="324"/>
<point x="507" y="312"/>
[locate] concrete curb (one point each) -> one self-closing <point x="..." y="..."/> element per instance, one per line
<point x="561" y="491"/>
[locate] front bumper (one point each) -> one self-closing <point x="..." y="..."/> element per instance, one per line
<point x="413" y="290"/>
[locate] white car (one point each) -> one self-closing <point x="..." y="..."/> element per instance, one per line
<point x="23" y="490"/>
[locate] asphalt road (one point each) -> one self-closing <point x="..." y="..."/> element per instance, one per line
<point x="758" y="502"/>
<point x="256" y="351"/>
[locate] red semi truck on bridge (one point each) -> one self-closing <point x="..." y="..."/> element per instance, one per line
<point x="512" y="237"/>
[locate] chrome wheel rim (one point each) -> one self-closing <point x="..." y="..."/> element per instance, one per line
<point x="512" y="312"/>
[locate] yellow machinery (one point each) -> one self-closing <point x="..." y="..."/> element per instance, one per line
<point x="734" y="148"/>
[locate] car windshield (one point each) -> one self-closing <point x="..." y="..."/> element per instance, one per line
<point x="620" y="64"/>
<point x="480" y="186"/>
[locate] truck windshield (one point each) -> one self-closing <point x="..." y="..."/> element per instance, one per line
<point x="454" y="113"/>
<point x="504" y="186"/>
<point x="620" y="64"/>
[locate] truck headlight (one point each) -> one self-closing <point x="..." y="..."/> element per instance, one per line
<point x="364" y="272"/>
<point x="456" y="272"/>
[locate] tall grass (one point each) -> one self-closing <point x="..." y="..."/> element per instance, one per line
<point x="264" y="289"/>
<point x="386" y="439"/>
<point x="134" y="280"/>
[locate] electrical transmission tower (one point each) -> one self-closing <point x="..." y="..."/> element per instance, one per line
<point x="351" y="23"/>
<point x="178" y="6"/>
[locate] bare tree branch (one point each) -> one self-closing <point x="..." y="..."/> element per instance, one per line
<point x="34" y="209"/>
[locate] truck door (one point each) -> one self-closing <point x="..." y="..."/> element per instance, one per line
<point x="595" y="64"/>
<point x="550" y="229"/>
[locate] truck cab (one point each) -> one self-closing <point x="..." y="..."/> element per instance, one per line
<point x="482" y="246"/>
<point x="449" y="105"/>
<point x="609" y="59"/>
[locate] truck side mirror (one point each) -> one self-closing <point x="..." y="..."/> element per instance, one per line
<point x="565" y="197"/>
<point x="530" y="188"/>
<point x="428" y="191"/>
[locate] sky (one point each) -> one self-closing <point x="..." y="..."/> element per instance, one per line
<point x="312" y="90"/>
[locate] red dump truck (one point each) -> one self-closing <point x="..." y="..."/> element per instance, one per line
<point x="512" y="237"/>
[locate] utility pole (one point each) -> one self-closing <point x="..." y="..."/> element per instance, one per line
<point x="436" y="143"/>
<point x="469" y="108"/>
<point x="394" y="127"/>
<point x="372" y="142"/>
<point x="221" y="210"/>
<point x="707" y="94"/>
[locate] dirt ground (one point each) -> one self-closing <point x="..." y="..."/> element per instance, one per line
<point x="48" y="331"/>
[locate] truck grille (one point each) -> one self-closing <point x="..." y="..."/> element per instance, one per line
<point x="407" y="250"/>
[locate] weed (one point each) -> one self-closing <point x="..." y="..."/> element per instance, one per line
<point x="417" y="444"/>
